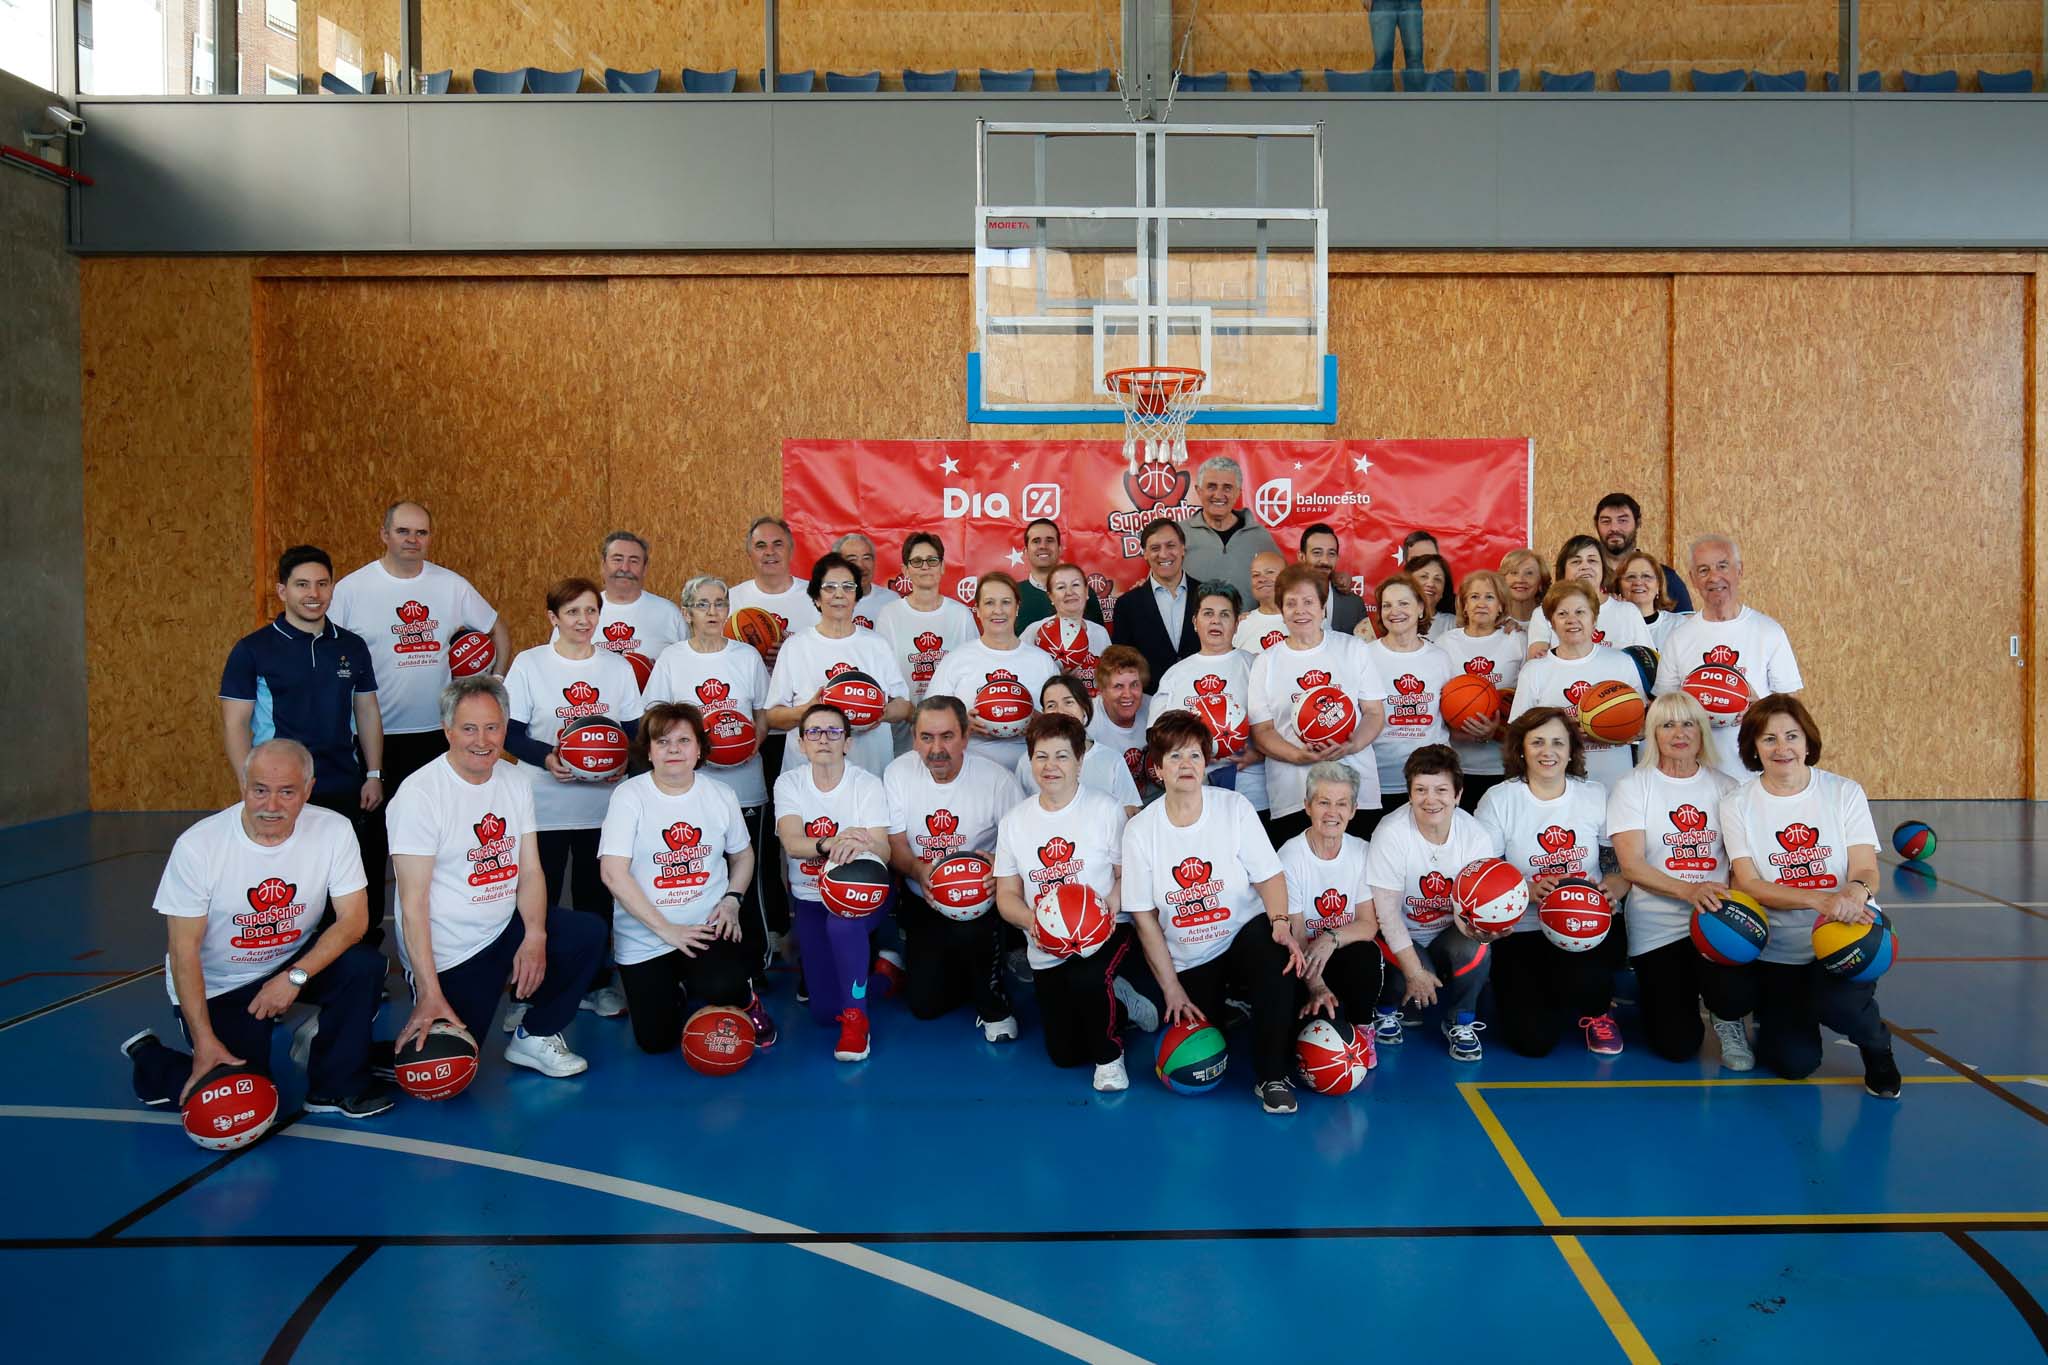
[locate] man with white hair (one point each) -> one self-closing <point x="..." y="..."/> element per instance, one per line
<point x="1726" y="634"/>
<point x="859" y="551"/>
<point x="1223" y="541"/>
<point x="243" y="895"/>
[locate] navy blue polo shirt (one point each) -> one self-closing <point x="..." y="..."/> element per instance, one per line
<point x="304" y="688"/>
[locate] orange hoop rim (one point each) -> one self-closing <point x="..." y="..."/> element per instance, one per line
<point x="1156" y="382"/>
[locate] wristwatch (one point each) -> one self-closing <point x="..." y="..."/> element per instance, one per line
<point x="297" y="976"/>
<point x="377" y="773"/>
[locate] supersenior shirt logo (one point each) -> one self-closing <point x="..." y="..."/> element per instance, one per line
<point x="1804" y="861"/>
<point x="495" y="858"/>
<point x="941" y="839"/>
<point x="681" y="864"/>
<point x="415" y="630"/>
<point x="271" y="921"/>
<point x="1690" y="845"/>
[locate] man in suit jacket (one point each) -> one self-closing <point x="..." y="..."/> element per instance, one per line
<point x="1156" y="616"/>
<point x="1319" y="550"/>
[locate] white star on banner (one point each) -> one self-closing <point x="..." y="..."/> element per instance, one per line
<point x="1297" y="466"/>
<point x="1015" y="465"/>
<point x="1398" y="555"/>
<point x="1363" y="464"/>
<point x="1016" y="558"/>
<point x="949" y="465"/>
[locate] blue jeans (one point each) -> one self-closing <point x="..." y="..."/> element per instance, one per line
<point x="1385" y="18"/>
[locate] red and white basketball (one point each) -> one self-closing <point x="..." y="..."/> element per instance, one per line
<point x="1575" y="915"/>
<point x="855" y="888"/>
<point x="643" y="667"/>
<point x="733" y="740"/>
<point x="594" y="747"/>
<point x="470" y="653"/>
<point x="1331" y="1059"/>
<point x="959" y="887"/>
<point x="1072" y="920"/>
<point x="1003" y="705"/>
<point x="231" y="1107"/>
<point x="859" y="697"/>
<point x="1721" y="692"/>
<point x="1325" y="715"/>
<point x="1491" y="895"/>
<point x="439" y="1065"/>
<point x="1224" y="717"/>
<point x="718" y="1040"/>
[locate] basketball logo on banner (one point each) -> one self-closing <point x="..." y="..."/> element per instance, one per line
<point x="1274" y="500"/>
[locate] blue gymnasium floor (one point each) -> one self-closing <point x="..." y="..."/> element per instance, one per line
<point x="953" y="1200"/>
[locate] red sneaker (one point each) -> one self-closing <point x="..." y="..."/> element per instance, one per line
<point x="764" y="1027"/>
<point x="853" y="1036"/>
<point x="1602" y="1036"/>
<point x="886" y="973"/>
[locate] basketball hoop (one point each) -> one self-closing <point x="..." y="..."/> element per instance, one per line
<point x="1157" y="400"/>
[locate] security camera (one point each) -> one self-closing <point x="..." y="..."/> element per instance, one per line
<point x="64" y="121"/>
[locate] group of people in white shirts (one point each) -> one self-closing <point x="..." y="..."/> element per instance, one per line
<point x="1253" y="873"/>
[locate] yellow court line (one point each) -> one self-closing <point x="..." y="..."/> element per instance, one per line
<point x="1609" y="1307"/>
<point x="1510" y="1155"/>
<point x="1707" y="1081"/>
<point x="1678" y="1223"/>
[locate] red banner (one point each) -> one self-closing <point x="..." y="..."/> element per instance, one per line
<point x="1476" y="495"/>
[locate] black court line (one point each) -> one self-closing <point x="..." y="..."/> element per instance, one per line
<point x="100" y="989"/>
<point x="219" y="1163"/>
<point x="286" y="1343"/>
<point x="2025" y="1303"/>
<point x="77" y="867"/>
<point x="1931" y="875"/>
<point x="1970" y="1074"/>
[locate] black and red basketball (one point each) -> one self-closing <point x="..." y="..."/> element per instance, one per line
<point x="470" y="653"/>
<point x="594" y="747"/>
<point x="231" y="1107"/>
<point x="856" y="888"/>
<point x="718" y="1040"/>
<point x="439" y="1065"/>
<point x="959" y="887"/>
<point x="859" y="698"/>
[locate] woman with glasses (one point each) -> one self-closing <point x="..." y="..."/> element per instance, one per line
<point x="923" y="627"/>
<point x="812" y="658"/>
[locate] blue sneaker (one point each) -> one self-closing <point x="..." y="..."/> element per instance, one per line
<point x="1386" y="1026"/>
<point x="1464" y="1040"/>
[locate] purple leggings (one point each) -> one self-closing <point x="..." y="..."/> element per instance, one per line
<point x="836" y="953"/>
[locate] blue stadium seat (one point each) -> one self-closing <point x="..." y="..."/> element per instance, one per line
<point x="853" y="82"/>
<point x="436" y="82"/>
<point x="1356" y="82"/>
<point x="1088" y="82"/>
<point x="1565" y="82"/>
<point x="1275" y="82"/>
<point x="1719" y="82"/>
<point x="1778" y="83"/>
<point x="697" y="82"/>
<point x="617" y="82"/>
<point x="1204" y="82"/>
<point x="335" y="85"/>
<point x="1931" y="82"/>
<point x="1510" y="80"/>
<point x="2006" y="82"/>
<point x="541" y="81"/>
<point x="1643" y="82"/>
<point x="1007" y="82"/>
<point x="931" y="82"/>
<point x="498" y="82"/>
<point x="1435" y="82"/>
<point x="790" y="82"/>
<point x="1867" y="82"/>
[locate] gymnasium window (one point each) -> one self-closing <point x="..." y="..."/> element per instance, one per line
<point x="26" y="42"/>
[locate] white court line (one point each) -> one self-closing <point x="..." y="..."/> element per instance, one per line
<point x="967" y="1298"/>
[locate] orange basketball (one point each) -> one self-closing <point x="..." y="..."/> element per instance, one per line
<point x="1611" y="712"/>
<point x="754" y="626"/>
<point x="1468" y="697"/>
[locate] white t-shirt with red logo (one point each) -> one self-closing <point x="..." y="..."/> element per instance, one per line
<point x="920" y="639"/>
<point x="1073" y="646"/>
<point x="550" y="692"/>
<point x="734" y="679"/>
<point x="857" y="802"/>
<point x="1498" y="659"/>
<point x="408" y="624"/>
<point x="1552" y="681"/>
<point x="1753" y="645"/>
<point x="1801" y="841"/>
<point x="1561" y="837"/>
<point x="809" y="660"/>
<point x="867" y="613"/>
<point x="792" y="607"/>
<point x="1280" y="677"/>
<point x="1414" y="699"/>
<point x="1126" y="742"/>
<point x="1618" y="625"/>
<point x="472" y="832"/>
<point x="1259" y="631"/>
<point x="1421" y="873"/>
<point x="1193" y="684"/>
<point x="262" y="904"/>
<point x="676" y="847"/>
<point x="1325" y="893"/>
<point x="1080" y="842"/>
<point x="645" y="626"/>
<point x="971" y="666"/>
<point x="1199" y="878"/>
<point x="1102" y="769"/>
<point x="942" y="820"/>
<point x="1680" y="821"/>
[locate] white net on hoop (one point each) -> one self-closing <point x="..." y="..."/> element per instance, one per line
<point x="1157" y="401"/>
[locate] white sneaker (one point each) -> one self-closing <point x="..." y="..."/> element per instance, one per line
<point x="1112" y="1076"/>
<point x="1735" y="1053"/>
<point x="302" y="1039"/>
<point x="1143" y="1012"/>
<point x="1003" y="1030"/>
<point x="606" y="1002"/>
<point x="515" y="1013"/>
<point x="548" y="1055"/>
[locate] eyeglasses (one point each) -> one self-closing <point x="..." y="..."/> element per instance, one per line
<point x="923" y="562"/>
<point x="824" y="732"/>
<point x="838" y="587"/>
<point x="705" y="604"/>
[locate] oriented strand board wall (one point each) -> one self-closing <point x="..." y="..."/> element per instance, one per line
<point x="557" y="35"/>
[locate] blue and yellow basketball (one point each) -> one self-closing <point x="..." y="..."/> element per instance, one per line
<point x="1913" y="840"/>
<point x="1733" y="932"/>
<point x="1192" y="1058"/>
<point x="1856" y="952"/>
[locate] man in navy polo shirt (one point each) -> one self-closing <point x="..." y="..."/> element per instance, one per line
<point x="302" y="677"/>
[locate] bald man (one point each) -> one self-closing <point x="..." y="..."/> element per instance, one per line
<point x="1262" y="628"/>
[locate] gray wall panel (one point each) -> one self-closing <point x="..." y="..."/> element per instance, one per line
<point x="1932" y="170"/>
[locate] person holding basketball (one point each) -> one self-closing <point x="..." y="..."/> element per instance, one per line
<point x="1812" y="830"/>
<point x="1328" y="897"/>
<point x="1073" y="642"/>
<point x="1042" y="554"/>
<point x="1484" y="646"/>
<point x="998" y="656"/>
<point x="1415" y="672"/>
<point x="1728" y="634"/>
<point x="774" y="588"/>
<point x="1215" y="684"/>
<point x="1560" y="677"/>
<point x="1102" y="767"/>
<point x="1208" y="898"/>
<point x="1616" y="624"/>
<point x="809" y="660"/>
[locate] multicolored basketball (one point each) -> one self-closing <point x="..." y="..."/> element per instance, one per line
<point x="959" y="887"/>
<point x="1072" y="921"/>
<point x="733" y="739"/>
<point x="855" y="888"/>
<point x="1722" y="692"/>
<point x="643" y="667"/>
<point x="1329" y="1056"/>
<point x="1003" y="706"/>
<point x="1468" y="697"/>
<point x="1855" y="952"/>
<point x="439" y="1065"/>
<point x="1491" y="895"/>
<point x="231" y="1107"/>
<point x="754" y="626"/>
<point x="1913" y="840"/>
<point x="1646" y="665"/>
<point x="1325" y="715"/>
<point x="1612" y="712"/>
<point x="1733" y="933"/>
<point x="593" y="748"/>
<point x="718" y="1040"/>
<point x="1223" y="715"/>
<point x="1192" y="1058"/>
<point x="859" y="698"/>
<point x="1575" y="915"/>
<point x="470" y="653"/>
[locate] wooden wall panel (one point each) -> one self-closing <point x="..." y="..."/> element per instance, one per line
<point x="1866" y="440"/>
<point x="632" y="35"/>
<point x="941" y="35"/>
<point x="1280" y="35"/>
<point x="364" y="33"/>
<point x="1940" y="35"/>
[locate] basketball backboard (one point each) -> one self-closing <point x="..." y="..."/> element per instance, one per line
<point x="1099" y="246"/>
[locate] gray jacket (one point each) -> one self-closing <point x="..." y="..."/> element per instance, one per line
<point x="1211" y="558"/>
